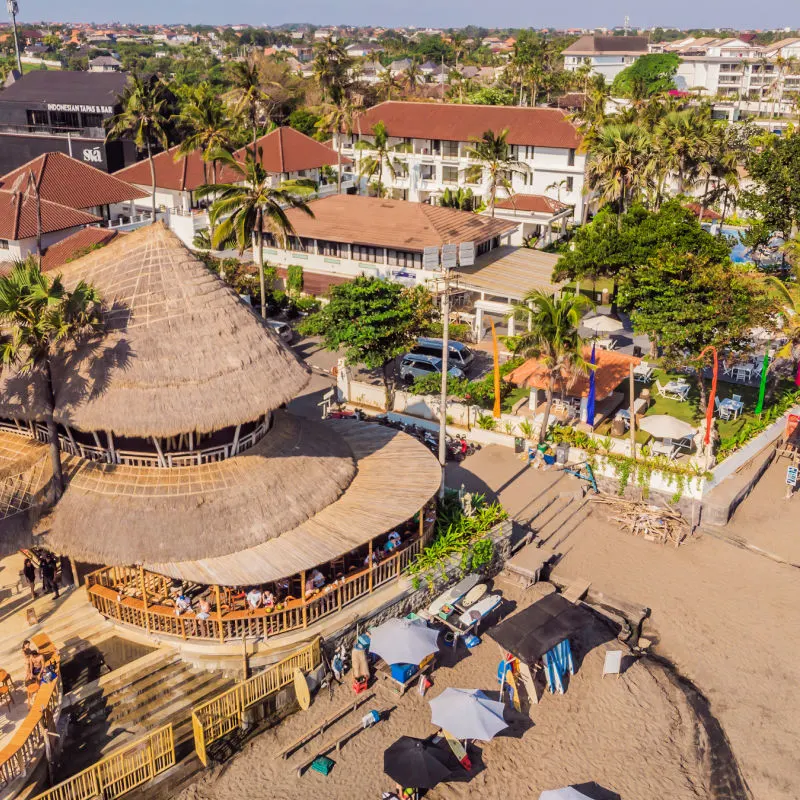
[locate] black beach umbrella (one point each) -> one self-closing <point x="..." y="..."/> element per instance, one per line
<point x="418" y="763"/>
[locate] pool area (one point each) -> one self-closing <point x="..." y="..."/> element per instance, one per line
<point x="740" y="254"/>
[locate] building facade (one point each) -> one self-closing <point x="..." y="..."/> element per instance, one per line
<point x="431" y="150"/>
<point x="605" y="55"/>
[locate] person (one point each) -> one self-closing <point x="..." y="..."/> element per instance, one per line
<point x="309" y="588"/>
<point x="29" y="572"/>
<point x="48" y="575"/>
<point x="182" y="604"/>
<point x="254" y="598"/>
<point x="204" y="608"/>
<point x="35" y="664"/>
<point x="391" y="544"/>
<point x="51" y="568"/>
<point x="268" y="600"/>
<point x="318" y="578"/>
<point x="67" y="578"/>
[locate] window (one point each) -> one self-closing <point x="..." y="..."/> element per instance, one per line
<point x="3" y="244"/>
<point x="37" y="119"/>
<point x="403" y="258"/>
<point x="330" y="248"/>
<point x="449" y="174"/>
<point x="450" y="149"/>
<point x="427" y="172"/>
<point x="371" y="255"/>
<point x="64" y="119"/>
<point x="436" y="146"/>
<point x="300" y="245"/>
<point x="571" y="157"/>
<point x="570" y="183"/>
<point x="92" y="120"/>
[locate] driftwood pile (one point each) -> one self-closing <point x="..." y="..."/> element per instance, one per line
<point x="654" y="523"/>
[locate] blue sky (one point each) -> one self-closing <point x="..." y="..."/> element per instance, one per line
<point x="440" y="13"/>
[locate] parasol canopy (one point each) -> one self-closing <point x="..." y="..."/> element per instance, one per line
<point x="567" y="793"/>
<point x="418" y="763"/>
<point x="602" y="324"/>
<point x="403" y="641"/>
<point x="663" y="426"/>
<point x="468" y="714"/>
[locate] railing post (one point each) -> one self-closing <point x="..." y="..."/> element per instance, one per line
<point x="422" y="522"/>
<point x="303" y="595"/>
<point x="144" y="597"/>
<point x="219" y="614"/>
<point x="369" y="561"/>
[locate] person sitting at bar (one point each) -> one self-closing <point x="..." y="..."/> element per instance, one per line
<point x="318" y="578"/>
<point x="254" y="598"/>
<point x="390" y="546"/>
<point x="268" y="600"/>
<point x="203" y="608"/>
<point x="182" y="604"/>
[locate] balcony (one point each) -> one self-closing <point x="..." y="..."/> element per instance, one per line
<point x="47" y="130"/>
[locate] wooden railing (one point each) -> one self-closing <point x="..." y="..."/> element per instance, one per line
<point x="121" y="770"/>
<point x="28" y="744"/>
<point x="225" y="712"/>
<point x="103" y="584"/>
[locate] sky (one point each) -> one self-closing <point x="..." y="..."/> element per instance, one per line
<point x="434" y="13"/>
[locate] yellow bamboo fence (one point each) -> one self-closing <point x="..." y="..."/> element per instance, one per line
<point x="121" y="770"/>
<point x="215" y="719"/>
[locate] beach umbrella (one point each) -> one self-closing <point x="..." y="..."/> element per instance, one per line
<point x="403" y="641"/>
<point x="567" y="793"/>
<point x="602" y="324"/>
<point x="418" y="763"/>
<point x="663" y="426"/>
<point x="468" y="714"/>
<point x="590" y="399"/>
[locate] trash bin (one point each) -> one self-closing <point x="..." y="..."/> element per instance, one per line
<point x="562" y="453"/>
<point x="519" y="444"/>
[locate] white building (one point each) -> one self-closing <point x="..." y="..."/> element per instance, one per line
<point x="606" y="55"/>
<point x="432" y="143"/>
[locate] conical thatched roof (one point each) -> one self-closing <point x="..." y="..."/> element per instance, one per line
<point x="123" y="515"/>
<point x="180" y="353"/>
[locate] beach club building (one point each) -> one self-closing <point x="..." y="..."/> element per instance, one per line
<point x="433" y="141"/>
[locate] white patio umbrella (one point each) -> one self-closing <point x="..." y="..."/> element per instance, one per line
<point x="602" y="324"/>
<point x="663" y="426"/>
<point x="467" y="714"/>
<point x="403" y="641"/>
<point x="567" y="793"/>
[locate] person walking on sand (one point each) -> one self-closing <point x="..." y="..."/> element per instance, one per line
<point x="29" y="572"/>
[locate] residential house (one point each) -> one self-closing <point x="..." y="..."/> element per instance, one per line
<point x="400" y="66"/>
<point x="105" y="64"/>
<point x="433" y="142"/>
<point x="606" y="55"/>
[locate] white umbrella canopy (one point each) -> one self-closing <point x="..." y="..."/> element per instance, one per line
<point x="567" y="793"/>
<point x="403" y="641"/>
<point x="602" y="324"/>
<point x="468" y="714"/>
<point x="663" y="426"/>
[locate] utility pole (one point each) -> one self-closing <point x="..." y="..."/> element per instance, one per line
<point x="443" y="405"/>
<point x="13" y="10"/>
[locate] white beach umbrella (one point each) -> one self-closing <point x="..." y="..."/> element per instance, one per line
<point x="468" y="714"/>
<point x="403" y="641"/>
<point x="602" y="324"/>
<point x="567" y="793"/>
<point x="663" y="426"/>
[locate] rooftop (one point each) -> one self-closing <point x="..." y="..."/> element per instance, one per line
<point x="67" y="87"/>
<point x="78" y="244"/>
<point x="540" y="127"/>
<point x="18" y="216"/>
<point x="65" y="180"/>
<point x="532" y="203"/>
<point x="597" y="45"/>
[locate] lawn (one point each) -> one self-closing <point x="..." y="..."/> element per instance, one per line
<point x="34" y="67"/>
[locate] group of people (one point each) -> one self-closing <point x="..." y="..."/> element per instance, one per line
<point x="36" y="670"/>
<point x="53" y="572"/>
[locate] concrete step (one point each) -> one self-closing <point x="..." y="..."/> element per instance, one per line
<point x="562" y="524"/>
<point x="136" y="700"/>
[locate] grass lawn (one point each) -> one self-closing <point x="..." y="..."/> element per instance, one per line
<point x="34" y="67"/>
<point x="516" y="395"/>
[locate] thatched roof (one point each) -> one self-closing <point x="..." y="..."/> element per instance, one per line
<point x="396" y="476"/>
<point x="122" y="515"/>
<point x="18" y="453"/>
<point x="180" y="353"/>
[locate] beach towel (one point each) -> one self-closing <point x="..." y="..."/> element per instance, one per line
<point x="557" y="662"/>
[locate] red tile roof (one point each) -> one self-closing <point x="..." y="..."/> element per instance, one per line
<point x="76" y="245"/>
<point x="72" y="183"/>
<point x="396" y="224"/>
<point x="18" y="216"/>
<point x="708" y="213"/>
<point x="540" y="127"/>
<point x="282" y="150"/>
<point x="535" y="203"/>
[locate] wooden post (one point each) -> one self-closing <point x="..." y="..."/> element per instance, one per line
<point x="71" y="439"/>
<point x="632" y="385"/>
<point x="369" y="561"/>
<point x="161" y="459"/>
<point x="235" y="446"/>
<point x="111" y="446"/>
<point x="422" y="522"/>
<point x="303" y="595"/>
<point x="144" y="597"/>
<point x="219" y="613"/>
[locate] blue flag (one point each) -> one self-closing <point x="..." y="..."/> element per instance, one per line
<point x="590" y="399"/>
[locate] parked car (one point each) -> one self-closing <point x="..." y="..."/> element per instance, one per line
<point x="417" y="365"/>
<point x="283" y="329"/>
<point x="458" y="354"/>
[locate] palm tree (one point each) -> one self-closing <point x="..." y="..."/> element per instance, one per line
<point x="251" y="206"/>
<point x="387" y="83"/>
<point x="685" y="138"/>
<point x="553" y="339"/>
<point x="413" y="75"/>
<point x="493" y="154"/>
<point x="381" y="154"/>
<point x="247" y="88"/>
<point x="144" y="116"/>
<point x="338" y="119"/>
<point x="331" y="67"/>
<point x="38" y="315"/>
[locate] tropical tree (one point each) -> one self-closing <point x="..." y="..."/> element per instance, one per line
<point x="553" y="339"/>
<point x="493" y="154"/>
<point x="248" y="93"/>
<point x="413" y="76"/>
<point x="683" y="138"/>
<point x="144" y="117"/>
<point x="381" y="155"/>
<point x="331" y="68"/>
<point x="39" y="315"/>
<point x="248" y="207"/>
<point x="387" y="83"/>
<point x="338" y="119"/>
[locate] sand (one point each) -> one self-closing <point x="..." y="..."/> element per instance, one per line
<point x="634" y="735"/>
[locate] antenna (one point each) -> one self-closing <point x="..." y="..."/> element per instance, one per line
<point x="626" y="24"/>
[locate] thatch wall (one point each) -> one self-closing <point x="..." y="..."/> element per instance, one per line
<point x="180" y="352"/>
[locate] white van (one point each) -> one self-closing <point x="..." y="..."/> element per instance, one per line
<point x="458" y="354"/>
<point x="284" y="331"/>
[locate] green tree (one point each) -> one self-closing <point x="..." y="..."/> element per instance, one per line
<point x="413" y="76"/>
<point x="381" y="155"/>
<point x="554" y="340"/>
<point x="489" y="96"/>
<point x="682" y="140"/>
<point x="38" y="316"/>
<point x="492" y="154"/>
<point x="305" y="121"/>
<point x="244" y="210"/>
<point x="247" y="89"/>
<point x="649" y="75"/>
<point x="374" y="320"/>
<point x="331" y="67"/>
<point x="144" y="116"/>
<point x="338" y="119"/>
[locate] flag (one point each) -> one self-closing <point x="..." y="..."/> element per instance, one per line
<point x="797" y="377"/>
<point x="496" y="355"/>
<point x="763" y="387"/>
<point x="590" y="399"/>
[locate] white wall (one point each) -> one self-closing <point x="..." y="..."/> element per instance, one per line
<point x="25" y="247"/>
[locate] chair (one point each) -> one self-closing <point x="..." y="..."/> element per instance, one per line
<point x="6" y="688"/>
<point x="723" y="412"/>
<point x="737" y="398"/>
<point x="660" y="389"/>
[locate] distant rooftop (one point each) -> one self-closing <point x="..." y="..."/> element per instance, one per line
<point x="67" y="87"/>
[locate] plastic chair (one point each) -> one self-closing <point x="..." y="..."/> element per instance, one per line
<point x="6" y="688"/>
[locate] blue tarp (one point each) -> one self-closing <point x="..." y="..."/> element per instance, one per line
<point x="557" y="662"/>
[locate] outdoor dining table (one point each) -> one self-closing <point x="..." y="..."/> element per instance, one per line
<point x="642" y="372"/>
<point x="679" y="387"/>
<point x="736" y="406"/>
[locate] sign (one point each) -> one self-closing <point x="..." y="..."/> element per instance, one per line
<point x="449" y="256"/>
<point x="791" y="476"/>
<point x="430" y="258"/>
<point x="613" y="662"/>
<point x="93" y="155"/>
<point x="466" y="254"/>
<point x="81" y="109"/>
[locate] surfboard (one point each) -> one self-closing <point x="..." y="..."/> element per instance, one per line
<point x="301" y="689"/>
<point x="458" y="751"/>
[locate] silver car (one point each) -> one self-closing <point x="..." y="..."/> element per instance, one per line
<point x="417" y="365"/>
<point x="283" y="330"/>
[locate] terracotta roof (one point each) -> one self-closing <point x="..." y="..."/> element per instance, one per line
<point x="396" y="224"/>
<point x="282" y="150"/>
<point x="18" y="216"/>
<point x="591" y="45"/>
<point x="535" y="203"/>
<point x="75" y="245"/>
<point x="708" y="213"/>
<point x="72" y="183"/>
<point x="540" y="127"/>
<point x="612" y="369"/>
